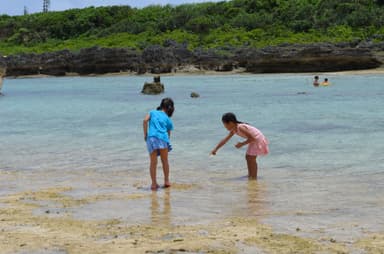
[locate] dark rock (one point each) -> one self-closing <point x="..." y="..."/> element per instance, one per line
<point x="157" y="54"/>
<point x="23" y="64"/>
<point x="3" y="65"/>
<point x="195" y="95"/>
<point x="156" y="87"/>
<point x="2" y="73"/>
<point x="172" y="56"/>
<point x="160" y="59"/>
<point x="56" y="64"/>
<point x="213" y="60"/>
<point x="105" y="60"/>
<point x="153" y="88"/>
<point x="307" y="58"/>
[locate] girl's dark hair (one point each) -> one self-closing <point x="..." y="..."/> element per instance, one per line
<point x="230" y="117"/>
<point x="167" y="105"/>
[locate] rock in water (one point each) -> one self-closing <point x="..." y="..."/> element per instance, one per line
<point x="195" y="95"/>
<point x="153" y="88"/>
<point x="156" y="87"/>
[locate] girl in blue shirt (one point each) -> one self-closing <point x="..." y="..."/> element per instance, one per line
<point x="157" y="139"/>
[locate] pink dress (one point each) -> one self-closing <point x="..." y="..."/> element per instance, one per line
<point x="260" y="144"/>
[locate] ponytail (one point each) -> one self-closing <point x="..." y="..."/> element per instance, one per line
<point x="167" y="105"/>
<point x="229" y="117"/>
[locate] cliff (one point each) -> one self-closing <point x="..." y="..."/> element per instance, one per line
<point x="172" y="57"/>
<point x="2" y="67"/>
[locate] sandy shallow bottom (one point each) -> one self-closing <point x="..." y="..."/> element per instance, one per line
<point x="39" y="216"/>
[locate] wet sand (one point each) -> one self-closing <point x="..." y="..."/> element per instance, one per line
<point x="23" y="230"/>
<point x="40" y="217"/>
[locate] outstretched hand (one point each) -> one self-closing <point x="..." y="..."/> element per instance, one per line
<point x="239" y="145"/>
<point x="213" y="152"/>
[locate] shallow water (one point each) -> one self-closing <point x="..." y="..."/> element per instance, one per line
<point x="324" y="174"/>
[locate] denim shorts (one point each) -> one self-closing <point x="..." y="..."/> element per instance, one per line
<point x="154" y="144"/>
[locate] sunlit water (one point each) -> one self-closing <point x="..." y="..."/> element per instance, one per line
<point x="324" y="174"/>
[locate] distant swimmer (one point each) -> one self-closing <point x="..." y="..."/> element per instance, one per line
<point x="316" y="81"/>
<point x="325" y="82"/>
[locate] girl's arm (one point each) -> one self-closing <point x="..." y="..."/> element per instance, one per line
<point x="248" y="135"/>
<point x="222" y="142"/>
<point x="145" y="126"/>
<point x="169" y="134"/>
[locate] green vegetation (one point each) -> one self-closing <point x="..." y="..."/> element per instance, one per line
<point x="255" y="23"/>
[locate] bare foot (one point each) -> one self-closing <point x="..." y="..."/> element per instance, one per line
<point x="155" y="187"/>
<point x="167" y="185"/>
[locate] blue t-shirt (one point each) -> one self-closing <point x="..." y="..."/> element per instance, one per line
<point x="159" y="125"/>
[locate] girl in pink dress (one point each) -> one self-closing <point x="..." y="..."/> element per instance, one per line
<point x="257" y="143"/>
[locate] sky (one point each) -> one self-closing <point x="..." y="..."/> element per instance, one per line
<point x="16" y="7"/>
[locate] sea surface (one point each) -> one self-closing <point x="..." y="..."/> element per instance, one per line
<point x="324" y="174"/>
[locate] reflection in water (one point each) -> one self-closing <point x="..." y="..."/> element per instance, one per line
<point x="161" y="212"/>
<point x="255" y="198"/>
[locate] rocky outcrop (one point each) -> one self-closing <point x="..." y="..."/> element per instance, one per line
<point x="2" y="73"/>
<point x="155" y="87"/>
<point x="172" y="57"/>
<point x="56" y="64"/>
<point x="215" y="60"/>
<point x="306" y="58"/>
<point x="105" y="60"/>
<point x="195" y="95"/>
<point x="2" y="70"/>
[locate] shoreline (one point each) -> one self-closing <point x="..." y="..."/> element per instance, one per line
<point x="195" y="72"/>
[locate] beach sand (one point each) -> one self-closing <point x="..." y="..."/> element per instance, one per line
<point x="24" y="230"/>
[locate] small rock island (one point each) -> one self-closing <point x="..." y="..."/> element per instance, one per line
<point x="152" y="88"/>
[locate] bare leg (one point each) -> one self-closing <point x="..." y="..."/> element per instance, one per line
<point x="152" y="169"/>
<point x="164" y="161"/>
<point x="252" y="166"/>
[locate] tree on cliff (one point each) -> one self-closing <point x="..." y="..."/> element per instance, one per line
<point x="235" y="23"/>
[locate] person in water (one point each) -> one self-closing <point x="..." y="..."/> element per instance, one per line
<point x="325" y="82"/>
<point x="316" y="81"/>
<point x="257" y="143"/>
<point x="157" y="137"/>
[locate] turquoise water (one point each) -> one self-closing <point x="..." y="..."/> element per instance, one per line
<point x="325" y="168"/>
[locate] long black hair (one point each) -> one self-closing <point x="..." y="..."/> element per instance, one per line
<point x="229" y="117"/>
<point x="167" y="105"/>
